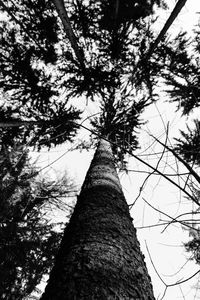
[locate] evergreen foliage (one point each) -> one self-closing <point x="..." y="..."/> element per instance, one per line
<point x="29" y="241"/>
<point x="38" y="64"/>
<point x="193" y="246"/>
<point x="181" y="67"/>
<point x="28" y="77"/>
<point x="188" y="145"/>
<point x="182" y="61"/>
<point x="181" y="75"/>
<point x="112" y="49"/>
<point x="119" y="122"/>
<point x="51" y="129"/>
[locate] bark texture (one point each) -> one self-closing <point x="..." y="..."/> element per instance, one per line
<point x="100" y="255"/>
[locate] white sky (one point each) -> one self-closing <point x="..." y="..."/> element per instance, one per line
<point x="167" y="251"/>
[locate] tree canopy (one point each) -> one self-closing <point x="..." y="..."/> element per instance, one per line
<point x="45" y="70"/>
<point x="41" y="74"/>
<point x="29" y="82"/>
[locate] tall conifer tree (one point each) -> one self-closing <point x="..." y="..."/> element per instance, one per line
<point x="100" y="257"/>
<point x="97" y="59"/>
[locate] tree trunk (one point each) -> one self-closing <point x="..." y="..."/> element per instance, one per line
<point x="60" y="7"/>
<point x="100" y="255"/>
<point x="174" y="14"/>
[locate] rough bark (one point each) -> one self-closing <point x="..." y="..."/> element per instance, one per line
<point x="100" y="255"/>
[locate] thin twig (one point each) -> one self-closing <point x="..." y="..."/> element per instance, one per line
<point x="190" y="169"/>
<point x="129" y="151"/>
<point x="173" y="219"/>
<point x="142" y="187"/>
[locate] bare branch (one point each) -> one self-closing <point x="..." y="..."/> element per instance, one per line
<point x="172" y="284"/>
<point x="184" y="280"/>
<point x="190" y="169"/>
<point x="128" y="151"/>
<point x="146" y="172"/>
<point x="190" y="213"/>
<point x="173" y="219"/>
<point x="141" y="188"/>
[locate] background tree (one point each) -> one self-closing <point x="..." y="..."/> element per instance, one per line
<point x="180" y="73"/>
<point x="29" y="239"/>
<point x="186" y="93"/>
<point x="29" y="82"/>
